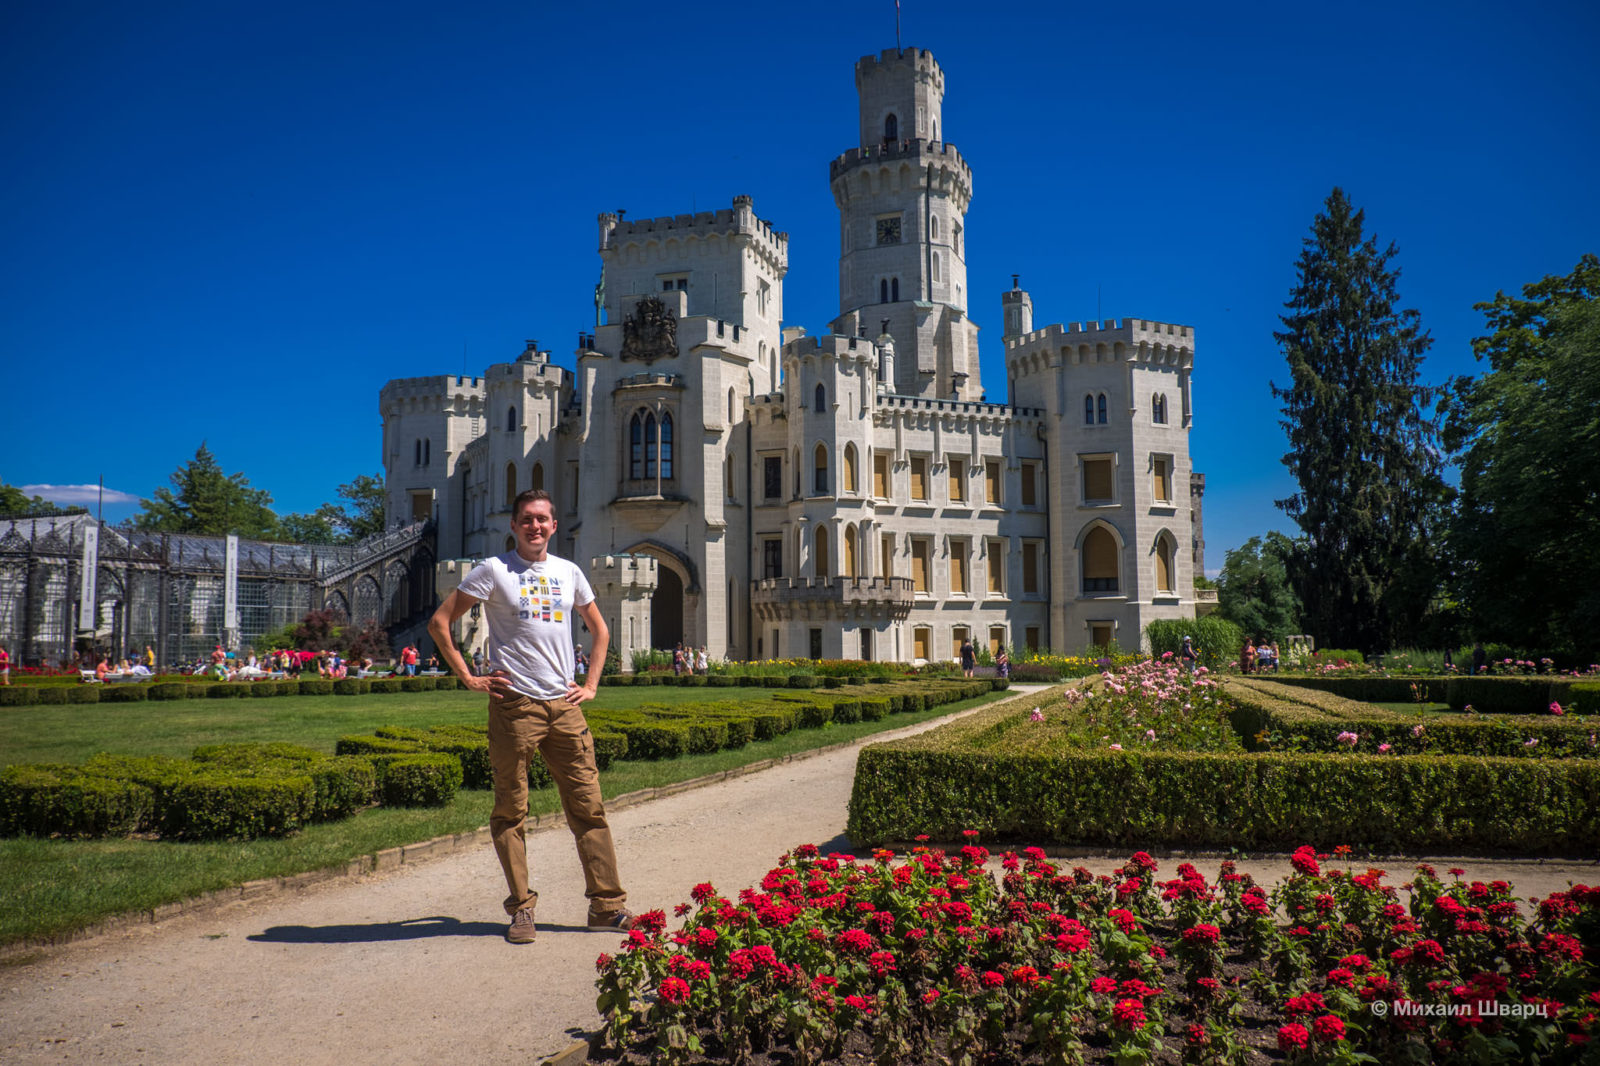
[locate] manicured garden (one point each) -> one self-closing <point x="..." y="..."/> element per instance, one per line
<point x="1256" y="766"/>
<point x="930" y="957"/>
<point x="44" y="879"/>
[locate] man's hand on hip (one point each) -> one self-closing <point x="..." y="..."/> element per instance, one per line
<point x="579" y="694"/>
<point x="495" y="684"/>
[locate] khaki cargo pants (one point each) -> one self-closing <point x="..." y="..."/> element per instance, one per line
<point x="519" y="726"/>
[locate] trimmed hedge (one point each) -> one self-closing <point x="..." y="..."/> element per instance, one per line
<point x="1315" y="720"/>
<point x="426" y="780"/>
<point x="224" y="690"/>
<point x="46" y="800"/>
<point x="1371" y="688"/>
<point x="1277" y="801"/>
<point x="212" y="805"/>
<point x="18" y="695"/>
<point x="316" y="686"/>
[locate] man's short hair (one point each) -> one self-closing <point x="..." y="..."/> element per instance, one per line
<point x="527" y="496"/>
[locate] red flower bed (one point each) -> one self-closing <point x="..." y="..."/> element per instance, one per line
<point x="934" y="957"/>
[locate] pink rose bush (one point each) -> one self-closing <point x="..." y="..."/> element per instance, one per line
<point x="957" y="956"/>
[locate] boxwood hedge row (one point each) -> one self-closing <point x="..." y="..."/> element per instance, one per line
<point x="1314" y="721"/>
<point x="1489" y="695"/>
<point x="1259" y="801"/>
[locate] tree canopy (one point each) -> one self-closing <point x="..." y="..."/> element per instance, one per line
<point x="1527" y="437"/>
<point x="204" y="499"/>
<point x="15" y="502"/>
<point x="1254" y="591"/>
<point x="1362" y="447"/>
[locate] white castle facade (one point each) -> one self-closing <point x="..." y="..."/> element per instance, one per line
<point x="737" y="484"/>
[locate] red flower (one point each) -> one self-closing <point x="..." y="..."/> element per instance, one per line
<point x="1560" y="945"/>
<point x="1355" y="962"/>
<point x="1128" y="1013"/>
<point x="702" y="892"/>
<point x="1202" y="934"/>
<point x="1328" y="1028"/>
<point x="930" y="997"/>
<point x="1309" y="1003"/>
<point x="1024" y="976"/>
<point x="1427" y="951"/>
<point x="1102" y="986"/>
<point x="1124" y="919"/>
<point x="969" y="833"/>
<point x="858" y="940"/>
<point x="1293" y="1037"/>
<point x="697" y="970"/>
<point x="705" y="938"/>
<point x="651" y="921"/>
<point x="860" y="1003"/>
<point x="675" y="990"/>
<point x="991" y="979"/>
<point x="882" y="962"/>
<point x="1198" y="1037"/>
<point x="1341" y="977"/>
<point x="603" y="963"/>
<point x="1304" y="860"/>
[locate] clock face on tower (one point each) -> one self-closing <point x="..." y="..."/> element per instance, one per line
<point x="889" y="230"/>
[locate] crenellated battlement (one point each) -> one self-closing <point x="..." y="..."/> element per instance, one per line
<point x="917" y="151"/>
<point x="432" y="387"/>
<point x="893" y="61"/>
<point x="1128" y="331"/>
<point x="835" y="345"/>
<point x="740" y="219"/>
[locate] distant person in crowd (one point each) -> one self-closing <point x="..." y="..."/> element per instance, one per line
<point x="102" y="669"/>
<point x="1277" y="663"/>
<point x="408" y="659"/>
<point x="219" y="659"/>
<point x="150" y="658"/>
<point x="969" y="657"/>
<point x="580" y="661"/>
<point x="433" y="664"/>
<point x="477" y="661"/>
<point x="1480" y="659"/>
<point x="1449" y="662"/>
<point x="1187" y="655"/>
<point x="1247" y="656"/>
<point x="702" y="662"/>
<point x="1002" y="663"/>
<point x="530" y="599"/>
<point x="5" y="665"/>
<point x="677" y="660"/>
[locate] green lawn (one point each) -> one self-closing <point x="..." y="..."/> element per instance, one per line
<point x="73" y="732"/>
<point x="51" y="886"/>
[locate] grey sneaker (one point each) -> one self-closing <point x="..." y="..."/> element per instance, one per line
<point x="521" y="930"/>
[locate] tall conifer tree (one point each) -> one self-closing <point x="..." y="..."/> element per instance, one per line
<point x="1362" y="445"/>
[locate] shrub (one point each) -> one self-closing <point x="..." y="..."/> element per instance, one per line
<point x="224" y="690"/>
<point x="416" y="684"/>
<point x="385" y="685"/>
<point x="999" y="684"/>
<point x="47" y="800"/>
<point x="798" y="681"/>
<point x="1370" y="688"/>
<point x="1337" y="655"/>
<point x="722" y="681"/>
<point x="427" y="780"/>
<point x="351" y="686"/>
<point x="315" y="686"/>
<point x="263" y="689"/>
<point x="1584" y="697"/>
<point x="1502" y="695"/>
<point x="1216" y="640"/>
<point x="609" y="747"/>
<point x="55" y="694"/>
<point x="773" y="723"/>
<point x="129" y="693"/>
<point x="287" y="688"/>
<point x="874" y="709"/>
<point x="221" y="805"/>
<point x="169" y="690"/>
<point x="447" y="683"/>
<point x="846" y="711"/>
<point x="815" y="715"/>
<point x="18" y="695"/>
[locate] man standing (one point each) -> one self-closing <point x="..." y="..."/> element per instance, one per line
<point x="529" y="597"/>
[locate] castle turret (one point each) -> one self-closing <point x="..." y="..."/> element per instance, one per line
<point x="1018" y="308"/>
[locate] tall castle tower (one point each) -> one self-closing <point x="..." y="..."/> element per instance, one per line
<point x="903" y="197"/>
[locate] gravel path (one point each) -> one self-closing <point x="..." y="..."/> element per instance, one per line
<point x="409" y="965"/>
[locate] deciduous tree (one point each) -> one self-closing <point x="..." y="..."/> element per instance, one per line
<point x="1254" y="591"/>
<point x="203" y="499"/>
<point x="1526" y="534"/>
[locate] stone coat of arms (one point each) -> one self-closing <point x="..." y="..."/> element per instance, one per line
<point x="651" y="332"/>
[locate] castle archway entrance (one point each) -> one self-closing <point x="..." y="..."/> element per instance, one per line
<point x="666" y="610"/>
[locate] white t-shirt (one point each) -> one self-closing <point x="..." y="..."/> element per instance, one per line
<point x="530" y="609"/>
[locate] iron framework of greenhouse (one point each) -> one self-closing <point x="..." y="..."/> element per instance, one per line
<point x="183" y="594"/>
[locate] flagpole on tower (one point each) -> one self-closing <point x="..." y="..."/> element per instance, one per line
<point x="897" y="25"/>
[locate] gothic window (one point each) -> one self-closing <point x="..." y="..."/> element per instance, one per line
<point x="935" y="266"/>
<point x="1088" y="408"/>
<point x="933" y="227"/>
<point x="1099" y="555"/>
<point x="427" y="445"/>
<point x="851" y="565"/>
<point x="651" y="445"/>
<point x="850" y="468"/>
<point x="419" y="454"/>
<point x="894" y="290"/>
<point x="891" y="128"/>
<point x="796" y="464"/>
<point x="1158" y="409"/>
<point x="820" y="471"/>
<point x="511" y="484"/>
<point x="666" y="445"/>
<point x="636" y="447"/>
<point x="538" y="476"/>
<point x="819" y="402"/>
<point x="772" y="557"/>
<point x="1163" y="564"/>
<point x="772" y="479"/>
<point x="731" y="401"/>
<point x="883" y="290"/>
<point x="511" y="417"/>
<point x="1100" y="409"/>
<point x="819" y="562"/>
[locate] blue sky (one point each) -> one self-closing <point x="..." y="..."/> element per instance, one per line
<point x="235" y="221"/>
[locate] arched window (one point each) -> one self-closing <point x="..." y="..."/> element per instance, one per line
<point x="891" y="127"/>
<point x="819" y="483"/>
<point x="1088" y="408"/>
<point x="819" y="561"/>
<point x="1099" y="560"/>
<point x="427" y="451"/>
<point x="419" y="453"/>
<point x="666" y="445"/>
<point x="797" y="473"/>
<point x="935" y="266"/>
<point x="636" y="447"/>
<point x="511" y="417"/>
<point x="851" y="563"/>
<point x="1158" y="409"/>
<point x="819" y="400"/>
<point x="731" y="401"/>
<point x="894" y="290"/>
<point x="850" y="469"/>
<point x="538" y="476"/>
<point x="1163" y="564"/>
<point x="933" y="227"/>
<point x="511" y="484"/>
<point x="883" y="290"/>
<point x="1100" y="409"/>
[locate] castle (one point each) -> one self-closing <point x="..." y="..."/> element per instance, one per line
<point x="734" y="483"/>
